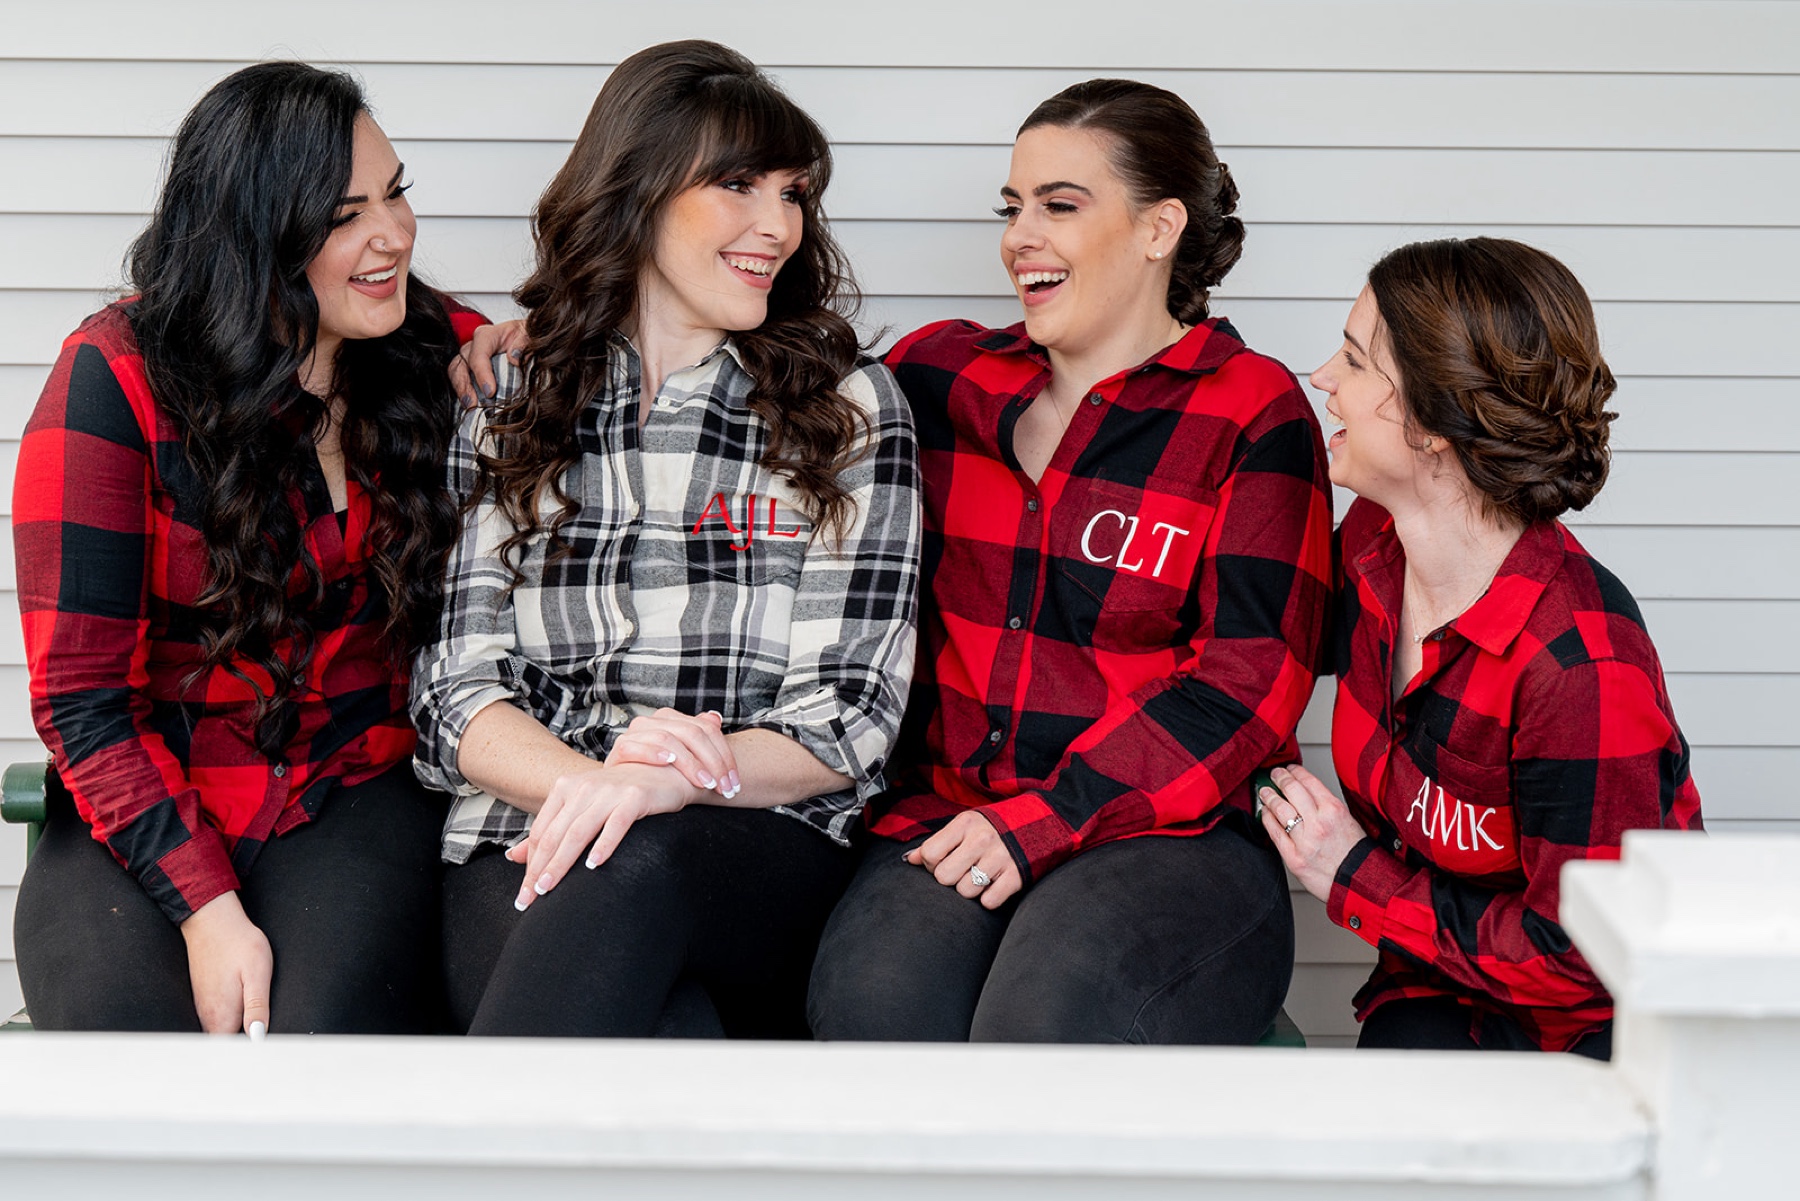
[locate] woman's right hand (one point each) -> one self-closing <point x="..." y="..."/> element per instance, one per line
<point x="230" y="965"/>
<point x="596" y="807"/>
<point x="472" y="370"/>
<point x="694" y="745"/>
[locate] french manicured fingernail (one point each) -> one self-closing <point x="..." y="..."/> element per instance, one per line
<point x="736" y="786"/>
<point x="543" y="884"/>
<point x="519" y="902"/>
<point x="668" y="756"/>
<point x="707" y="781"/>
<point x="257" y="1032"/>
<point x="592" y="863"/>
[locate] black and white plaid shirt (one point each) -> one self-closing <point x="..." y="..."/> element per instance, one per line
<point x="695" y="583"/>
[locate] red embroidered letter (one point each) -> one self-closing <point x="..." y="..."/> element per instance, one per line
<point x="775" y="533"/>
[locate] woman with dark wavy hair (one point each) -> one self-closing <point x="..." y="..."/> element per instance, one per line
<point x="1500" y="708"/>
<point x="1128" y="541"/>
<point x="230" y="525"/>
<point x="679" y="623"/>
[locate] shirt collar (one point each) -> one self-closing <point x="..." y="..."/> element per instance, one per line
<point x="1499" y="614"/>
<point x="726" y="344"/>
<point x="1200" y="351"/>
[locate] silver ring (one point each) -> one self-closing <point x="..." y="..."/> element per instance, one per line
<point x="979" y="878"/>
<point x="1289" y="828"/>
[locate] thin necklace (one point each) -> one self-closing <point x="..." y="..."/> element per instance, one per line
<point x="1419" y="639"/>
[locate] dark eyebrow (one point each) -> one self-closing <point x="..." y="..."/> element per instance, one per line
<point x="392" y="183"/>
<point x="1060" y="185"/>
<point x="1348" y="337"/>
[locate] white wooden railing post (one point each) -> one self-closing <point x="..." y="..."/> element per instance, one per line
<point x="1699" y="941"/>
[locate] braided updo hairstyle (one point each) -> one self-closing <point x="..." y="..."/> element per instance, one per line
<point x="1162" y="151"/>
<point x="1497" y="353"/>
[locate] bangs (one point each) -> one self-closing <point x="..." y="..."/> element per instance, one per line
<point x="748" y="128"/>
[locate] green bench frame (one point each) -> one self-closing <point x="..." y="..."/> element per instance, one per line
<point x="22" y="802"/>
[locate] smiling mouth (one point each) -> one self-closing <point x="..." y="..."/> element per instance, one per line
<point x="377" y="277"/>
<point x="1038" y="282"/>
<point x="761" y="268"/>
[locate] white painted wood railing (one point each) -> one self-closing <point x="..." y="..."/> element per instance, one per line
<point x="1699" y="939"/>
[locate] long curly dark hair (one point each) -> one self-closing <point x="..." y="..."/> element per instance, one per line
<point x="669" y="118"/>
<point x="1161" y="149"/>
<point x="225" y="318"/>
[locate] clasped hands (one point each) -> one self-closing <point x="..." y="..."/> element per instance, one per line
<point x="663" y="762"/>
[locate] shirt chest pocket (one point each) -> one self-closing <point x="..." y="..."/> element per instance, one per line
<point x="750" y="540"/>
<point x="1456" y="812"/>
<point x="1128" y="557"/>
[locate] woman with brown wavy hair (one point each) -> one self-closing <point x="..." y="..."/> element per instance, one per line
<point x="679" y="624"/>
<point x="1500" y="708"/>
<point x="231" y="524"/>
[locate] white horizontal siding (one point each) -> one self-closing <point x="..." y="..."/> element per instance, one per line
<point x="1654" y="147"/>
<point x="936" y="105"/>
<point x="1684" y="37"/>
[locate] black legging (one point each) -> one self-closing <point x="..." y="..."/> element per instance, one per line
<point x="349" y="902"/>
<point x="1444" y="1024"/>
<point x="1145" y="940"/>
<point x="731" y="900"/>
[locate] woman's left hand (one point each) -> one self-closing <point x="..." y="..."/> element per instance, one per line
<point x="1312" y="828"/>
<point x="970" y="841"/>
<point x="597" y="807"/>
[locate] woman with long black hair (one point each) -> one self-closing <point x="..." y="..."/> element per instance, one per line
<point x="678" y="628"/>
<point x="230" y="525"/>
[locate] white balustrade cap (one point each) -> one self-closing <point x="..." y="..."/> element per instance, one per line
<point x="1690" y="924"/>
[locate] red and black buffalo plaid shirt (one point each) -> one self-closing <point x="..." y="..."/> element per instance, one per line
<point x="1537" y="731"/>
<point x="1113" y="650"/>
<point x="159" y="752"/>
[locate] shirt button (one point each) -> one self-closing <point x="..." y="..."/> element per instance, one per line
<point x="1031" y="506"/>
<point x="280" y="770"/>
<point x="1095" y="398"/>
<point x="1014" y="623"/>
<point x="994" y="737"/>
<point x="1356" y="923"/>
<point x="1398" y="845"/>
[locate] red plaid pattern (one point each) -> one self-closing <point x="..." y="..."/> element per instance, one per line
<point x="159" y="752"/>
<point x="1113" y="650"/>
<point x="1538" y="731"/>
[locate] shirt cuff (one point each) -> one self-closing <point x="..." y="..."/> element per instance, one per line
<point x="194" y="873"/>
<point x="1035" y="834"/>
<point x="1366" y="881"/>
<point x="442" y="728"/>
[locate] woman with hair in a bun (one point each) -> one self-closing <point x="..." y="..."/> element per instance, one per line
<point x="1500" y="708"/>
<point x="1127" y="543"/>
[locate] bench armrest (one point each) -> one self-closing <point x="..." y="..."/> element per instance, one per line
<point x="22" y="793"/>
